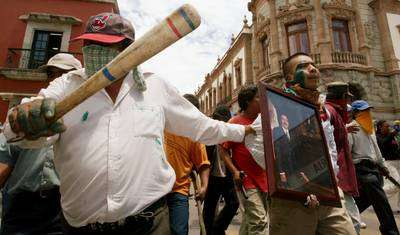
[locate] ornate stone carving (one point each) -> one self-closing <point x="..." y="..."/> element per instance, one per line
<point x="295" y="10"/>
<point x="338" y="8"/>
<point x="295" y="5"/>
<point x="370" y="36"/>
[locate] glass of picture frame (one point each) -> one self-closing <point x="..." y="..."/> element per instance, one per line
<point x="296" y="152"/>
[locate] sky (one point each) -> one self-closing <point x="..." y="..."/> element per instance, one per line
<point x="185" y="63"/>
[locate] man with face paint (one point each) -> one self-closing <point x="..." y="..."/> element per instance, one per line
<point x="337" y="98"/>
<point x="302" y="80"/>
<point x="109" y="153"/>
<point x="370" y="167"/>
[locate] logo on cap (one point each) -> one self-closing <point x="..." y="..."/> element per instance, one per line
<point x="99" y="23"/>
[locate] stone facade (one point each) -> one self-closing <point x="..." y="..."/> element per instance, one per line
<point x="231" y="72"/>
<point x="370" y="66"/>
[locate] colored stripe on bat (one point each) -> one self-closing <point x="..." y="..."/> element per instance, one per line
<point x="108" y="75"/>
<point x="187" y="19"/>
<point x="174" y="29"/>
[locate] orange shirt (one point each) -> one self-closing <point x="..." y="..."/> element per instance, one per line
<point x="183" y="154"/>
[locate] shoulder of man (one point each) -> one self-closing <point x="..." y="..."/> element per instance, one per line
<point x="237" y="119"/>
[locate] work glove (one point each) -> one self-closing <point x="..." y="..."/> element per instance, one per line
<point x="34" y="119"/>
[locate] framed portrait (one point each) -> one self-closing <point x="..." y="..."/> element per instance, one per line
<point x="296" y="152"/>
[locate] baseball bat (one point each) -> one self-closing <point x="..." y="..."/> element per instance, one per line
<point x="180" y="23"/>
<point x="197" y="185"/>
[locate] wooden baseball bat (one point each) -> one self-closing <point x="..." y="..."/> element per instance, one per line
<point x="196" y="184"/>
<point x="180" y="23"/>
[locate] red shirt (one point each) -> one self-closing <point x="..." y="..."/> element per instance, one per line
<point x="347" y="179"/>
<point x="256" y="177"/>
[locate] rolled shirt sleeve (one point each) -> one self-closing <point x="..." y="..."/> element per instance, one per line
<point x="184" y="119"/>
<point x="198" y="155"/>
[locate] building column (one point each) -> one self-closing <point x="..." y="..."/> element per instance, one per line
<point x="276" y="54"/>
<point x="323" y="42"/>
<point x="364" y="48"/>
<point x="390" y="59"/>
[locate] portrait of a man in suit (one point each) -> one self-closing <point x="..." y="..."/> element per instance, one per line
<point x="283" y="151"/>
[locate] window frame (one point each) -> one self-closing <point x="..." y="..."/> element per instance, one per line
<point x="342" y="31"/>
<point x="297" y="32"/>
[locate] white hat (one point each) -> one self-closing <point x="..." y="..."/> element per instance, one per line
<point x="62" y="61"/>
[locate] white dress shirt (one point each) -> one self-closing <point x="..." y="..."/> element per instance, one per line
<point x="111" y="160"/>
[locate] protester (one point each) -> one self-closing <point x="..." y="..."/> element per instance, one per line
<point x="220" y="186"/>
<point x="31" y="197"/>
<point x="246" y="172"/>
<point x="396" y="127"/>
<point x="369" y="167"/>
<point x="389" y="148"/>
<point x="290" y="217"/>
<point x="337" y="98"/>
<point x="109" y="154"/>
<point x="184" y="155"/>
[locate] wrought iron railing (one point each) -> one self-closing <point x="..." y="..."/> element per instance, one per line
<point x="31" y="59"/>
<point x="348" y="57"/>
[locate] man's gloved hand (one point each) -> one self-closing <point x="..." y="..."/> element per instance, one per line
<point x="34" y="119"/>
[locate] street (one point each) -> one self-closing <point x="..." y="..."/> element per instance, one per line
<point x="368" y="217"/>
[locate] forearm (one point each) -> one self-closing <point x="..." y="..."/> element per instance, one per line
<point x="227" y="160"/>
<point x="204" y="173"/>
<point x="5" y="171"/>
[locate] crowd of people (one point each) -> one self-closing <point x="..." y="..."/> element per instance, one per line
<point x="121" y="161"/>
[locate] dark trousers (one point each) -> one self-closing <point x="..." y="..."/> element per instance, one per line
<point x="371" y="193"/>
<point x="153" y="220"/>
<point x="217" y="187"/>
<point x="31" y="213"/>
<point x="178" y="205"/>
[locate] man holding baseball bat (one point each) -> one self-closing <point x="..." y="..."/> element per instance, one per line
<point x="109" y="149"/>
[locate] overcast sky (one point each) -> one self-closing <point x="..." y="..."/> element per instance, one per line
<point x="185" y="63"/>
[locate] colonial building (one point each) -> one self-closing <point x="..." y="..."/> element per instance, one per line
<point x="231" y="72"/>
<point x="355" y="41"/>
<point x="32" y="32"/>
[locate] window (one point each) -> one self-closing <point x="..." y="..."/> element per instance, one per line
<point x="264" y="45"/>
<point x="220" y="93"/>
<point x="214" y="98"/>
<point x="229" y="86"/>
<point x="45" y="45"/>
<point x="298" y="38"/>
<point x="238" y="73"/>
<point x="340" y="32"/>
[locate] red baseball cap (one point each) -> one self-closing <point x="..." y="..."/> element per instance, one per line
<point x="107" y="28"/>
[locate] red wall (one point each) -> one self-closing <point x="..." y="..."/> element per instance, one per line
<point x="13" y="29"/>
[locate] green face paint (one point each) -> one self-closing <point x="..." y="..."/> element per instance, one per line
<point x="299" y="78"/>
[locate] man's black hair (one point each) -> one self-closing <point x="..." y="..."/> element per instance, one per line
<point x="246" y="95"/>
<point x="379" y="126"/>
<point x="222" y="113"/>
<point x="192" y="99"/>
<point x="285" y="63"/>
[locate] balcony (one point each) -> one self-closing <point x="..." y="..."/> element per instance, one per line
<point x="31" y="59"/>
<point x="348" y="57"/>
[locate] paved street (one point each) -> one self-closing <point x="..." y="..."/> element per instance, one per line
<point x="368" y="217"/>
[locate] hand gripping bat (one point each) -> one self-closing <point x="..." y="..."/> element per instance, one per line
<point x="180" y="23"/>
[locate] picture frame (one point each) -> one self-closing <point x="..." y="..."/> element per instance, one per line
<point x="296" y="152"/>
